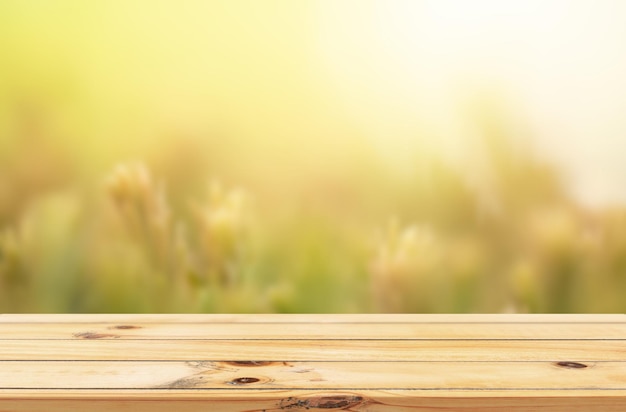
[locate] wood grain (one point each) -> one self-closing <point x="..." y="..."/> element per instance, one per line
<point x="314" y="375"/>
<point x="312" y="362"/>
<point x="313" y="318"/>
<point x="310" y="330"/>
<point x="319" y="350"/>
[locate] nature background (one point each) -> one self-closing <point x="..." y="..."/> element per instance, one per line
<point x="312" y="156"/>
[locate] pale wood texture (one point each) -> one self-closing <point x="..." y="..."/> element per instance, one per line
<point x="258" y="363"/>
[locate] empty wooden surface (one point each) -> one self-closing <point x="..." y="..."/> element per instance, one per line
<point x="269" y="363"/>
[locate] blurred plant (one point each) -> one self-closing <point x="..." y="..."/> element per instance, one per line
<point x="10" y="260"/>
<point x="524" y="283"/>
<point x="205" y="254"/>
<point x="554" y="237"/>
<point x="536" y="250"/>
<point x="405" y="269"/>
<point x="220" y="225"/>
<point x="467" y="266"/>
<point x="142" y="206"/>
<point x="12" y="274"/>
<point x="416" y="269"/>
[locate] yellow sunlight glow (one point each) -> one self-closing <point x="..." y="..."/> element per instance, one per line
<point x="408" y="71"/>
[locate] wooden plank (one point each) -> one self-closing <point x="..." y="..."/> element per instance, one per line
<point x="296" y="401"/>
<point x="356" y="376"/>
<point x="257" y="363"/>
<point x="301" y="350"/>
<point x="314" y="318"/>
<point x="284" y="330"/>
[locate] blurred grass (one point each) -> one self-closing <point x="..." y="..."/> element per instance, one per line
<point x="431" y="244"/>
<point x="136" y="176"/>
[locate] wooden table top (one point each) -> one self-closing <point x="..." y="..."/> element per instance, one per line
<point x="258" y="363"/>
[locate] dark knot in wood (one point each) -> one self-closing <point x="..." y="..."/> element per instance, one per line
<point x="321" y="402"/>
<point x="571" y="365"/>
<point x="243" y="381"/>
<point x="249" y="363"/>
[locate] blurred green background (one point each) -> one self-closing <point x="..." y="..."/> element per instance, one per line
<point x="312" y="156"/>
